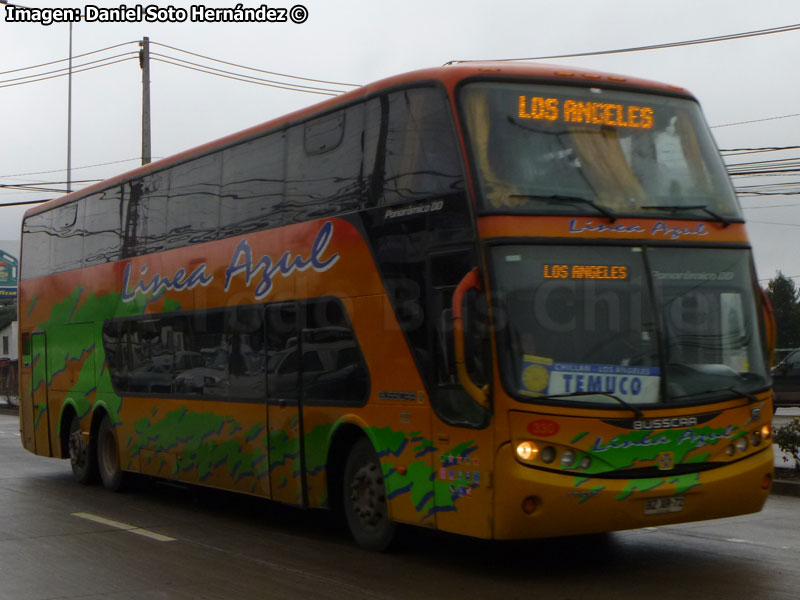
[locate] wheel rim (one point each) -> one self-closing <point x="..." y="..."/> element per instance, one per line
<point x="367" y="497"/>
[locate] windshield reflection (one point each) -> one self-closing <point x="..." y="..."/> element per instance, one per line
<point x="578" y="325"/>
<point x="595" y="151"/>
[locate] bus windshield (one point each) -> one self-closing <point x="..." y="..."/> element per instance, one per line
<point x="646" y="325"/>
<point x="544" y="149"/>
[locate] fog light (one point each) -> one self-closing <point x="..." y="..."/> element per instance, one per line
<point x="527" y="450"/>
<point x="730" y="450"/>
<point x="567" y="458"/>
<point x="766" y="432"/>
<point x="586" y="462"/>
<point x="530" y="504"/>
<point x="548" y="454"/>
<point x="755" y="438"/>
<point x="741" y="444"/>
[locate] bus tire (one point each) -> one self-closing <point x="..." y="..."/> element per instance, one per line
<point x="364" y="499"/>
<point x="108" y="456"/>
<point x="81" y="456"/>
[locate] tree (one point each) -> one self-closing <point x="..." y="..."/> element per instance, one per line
<point x="783" y="295"/>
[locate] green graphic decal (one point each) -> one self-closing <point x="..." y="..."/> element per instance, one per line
<point x="204" y="444"/>
<point x="624" y="451"/>
<point x="74" y="340"/>
<point x="681" y="484"/>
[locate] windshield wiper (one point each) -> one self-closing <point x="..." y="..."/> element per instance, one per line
<point x="559" y="199"/>
<point x="679" y="207"/>
<point x="753" y="399"/>
<point x="639" y="414"/>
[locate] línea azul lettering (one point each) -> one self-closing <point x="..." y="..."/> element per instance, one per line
<point x="242" y="263"/>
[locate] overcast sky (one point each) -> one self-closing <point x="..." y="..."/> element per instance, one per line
<point x="358" y="41"/>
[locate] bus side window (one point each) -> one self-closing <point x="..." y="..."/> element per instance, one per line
<point x="418" y="158"/>
<point x="252" y="185"/>
<point x="37" y="232"/>
<point x="193" y="208"/>
<point x="102" y="241"/>
<point x="145" y="214"/>
<point x="201" y="356"/>
<point x="244" y="332"/>
<point x="66" y="250"/>
<point x="328" y="338"/>
<point x="330" y="148"/>
<point x="281" y="322"/>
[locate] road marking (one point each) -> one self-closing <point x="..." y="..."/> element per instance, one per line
<point x="125" y="527"/>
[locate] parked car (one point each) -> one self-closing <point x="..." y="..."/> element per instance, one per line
<point x="786" y="380"/>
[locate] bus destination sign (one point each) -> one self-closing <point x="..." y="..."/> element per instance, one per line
<point x="578" y="111"/>
<point x="585" y="272"/>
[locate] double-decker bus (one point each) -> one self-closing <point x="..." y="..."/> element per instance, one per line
<point x="501" y="300"/>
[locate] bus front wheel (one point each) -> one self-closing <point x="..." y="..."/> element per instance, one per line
<point x="81" y="455"/>
<point x="108" y="456"/>
<point x="365" y="505"/>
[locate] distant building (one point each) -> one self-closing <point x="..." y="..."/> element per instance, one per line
<point x="8" y="341"/>
<point x="9" y="270"/>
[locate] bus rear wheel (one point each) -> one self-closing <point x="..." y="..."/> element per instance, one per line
<point x="108" y="456"/>
<point x="364" y="494"/>
<point x="81" y="456"/>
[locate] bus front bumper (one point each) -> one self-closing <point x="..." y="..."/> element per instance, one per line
<point x="531" y="503"/>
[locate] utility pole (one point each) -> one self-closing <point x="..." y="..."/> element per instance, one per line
<point x="69" y="116"/>
<point x="144" y="63"/>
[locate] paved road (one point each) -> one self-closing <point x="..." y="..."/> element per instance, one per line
<point x="170" y="543"/>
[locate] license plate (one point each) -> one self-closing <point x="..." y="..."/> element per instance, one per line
<point x="660" y="506"/>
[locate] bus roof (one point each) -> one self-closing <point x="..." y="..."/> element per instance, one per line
<point x="450" y="75"/>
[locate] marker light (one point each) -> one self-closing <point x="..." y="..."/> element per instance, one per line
<point x="527" y="450"/>
<point x="530" y="504"/>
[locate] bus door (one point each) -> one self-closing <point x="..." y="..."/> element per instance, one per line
<point x="285" y="364"/>
<point x="37" y="407"/>
<point x="461" y="396"/>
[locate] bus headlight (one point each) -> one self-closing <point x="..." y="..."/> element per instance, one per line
<point x="742" y="443"/>
<point x="567" y="458"/>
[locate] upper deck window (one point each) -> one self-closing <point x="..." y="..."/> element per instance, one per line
<point x="542" y="149"/>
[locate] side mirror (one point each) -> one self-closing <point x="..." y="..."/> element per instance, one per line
<point x="480" y="394"/>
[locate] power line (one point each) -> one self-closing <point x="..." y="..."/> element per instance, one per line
<point x="241" y="78"/>
<point x="248" y="78"/>
<point x="707" y="40"/>
<point x="740" y="151"/>
<point x="24" y="203"/>
<point x="255" y="69"/>
<point x="113" y="162"/>
<point x="773" y="223"/>
<point x="53" y="62"/>
<point x="40" y="186"/>
<point x="66" y="74"/>
<point x="756" y="121"/>
<point x="41" y="75"/>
